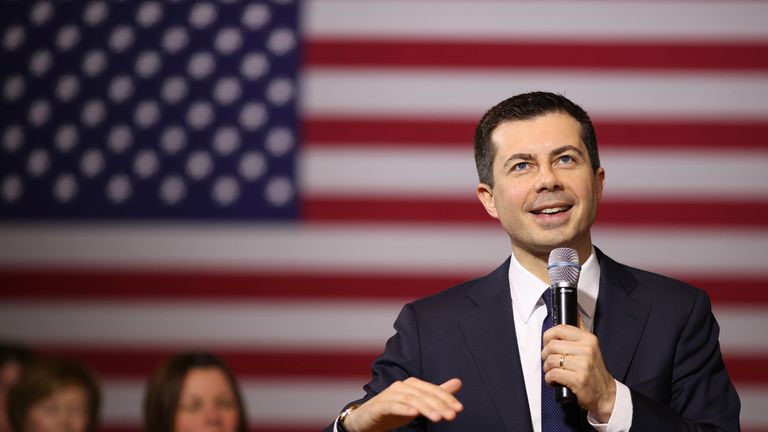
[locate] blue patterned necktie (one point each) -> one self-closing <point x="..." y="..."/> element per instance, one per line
<point x="555" y="417"/>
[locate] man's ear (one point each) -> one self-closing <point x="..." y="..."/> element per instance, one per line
<point x="485" y="195"/>
<point x="599" y="182"/>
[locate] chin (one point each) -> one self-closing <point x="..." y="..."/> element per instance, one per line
<point x="554" y="240"/>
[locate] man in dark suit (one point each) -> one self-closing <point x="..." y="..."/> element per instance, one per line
<point x="481" y="356"/>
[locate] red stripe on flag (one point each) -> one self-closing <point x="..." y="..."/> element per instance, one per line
<point x="74" y="284"/>
<point x="683" y="213"/>
<point x="731" y="291"/>
<point x="419" y="209"/>
<point x="747" y="370"/>
<point x="319" y="131"/>
<point x="125" y="363"/>
<point x="487" y="54"/>
<point x="611" y="212"/>
<point x="141" y="284"/>
<point x="712" y="134"/>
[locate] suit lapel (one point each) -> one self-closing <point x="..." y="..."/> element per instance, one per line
<point x="619" y="318"/>
<point x="489" y="331"/>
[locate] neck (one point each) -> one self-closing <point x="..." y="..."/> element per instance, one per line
<point x="536" y="261"/>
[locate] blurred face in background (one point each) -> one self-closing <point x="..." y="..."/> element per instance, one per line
<point x="65" y="410"/>
<point x="9" y="374"/>
<point x="207" y="403"/>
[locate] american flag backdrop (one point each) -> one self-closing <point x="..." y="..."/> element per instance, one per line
<point x="272" y="180"/>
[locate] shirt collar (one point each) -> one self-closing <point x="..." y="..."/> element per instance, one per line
<point x="527" y="289"/>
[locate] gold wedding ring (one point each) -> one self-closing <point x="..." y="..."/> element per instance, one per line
<point x="562" y="360"/>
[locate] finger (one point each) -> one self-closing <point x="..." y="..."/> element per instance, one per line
<point x="563" y="377"/>
<point x="554" y="361"/>
<point x="564" y="332"/>
<point x="443" y="391"/>
<point x="420" y="404"/>
<point x="570" y="362"/>
<point x="452" y="386"/>
<point x="400" y="409"/>
<point x="431" y="400"/>
<point x="558" y="347"/>
<point x="578" y="357"/>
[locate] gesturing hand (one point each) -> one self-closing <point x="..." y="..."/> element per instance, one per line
<point x="402" y="402"/>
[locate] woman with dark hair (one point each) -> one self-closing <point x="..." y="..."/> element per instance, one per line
<point x="13" y="358"/>
<point x="54" y="395"/>
<point x="194" y="391"/>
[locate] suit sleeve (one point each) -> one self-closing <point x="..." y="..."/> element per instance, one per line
<point x="702" y="397"/>
<point x="401" y="359"/>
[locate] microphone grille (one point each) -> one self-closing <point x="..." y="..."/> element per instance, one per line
<point x="563" y="266"/>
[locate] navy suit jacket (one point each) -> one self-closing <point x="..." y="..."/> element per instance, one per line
<point x="657" y="336"/>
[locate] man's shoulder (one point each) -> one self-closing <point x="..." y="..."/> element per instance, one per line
<point x="655" y="287"/>
<point x="466" y="293"/>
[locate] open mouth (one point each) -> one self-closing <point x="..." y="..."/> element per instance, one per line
<point x="551" y="210"/>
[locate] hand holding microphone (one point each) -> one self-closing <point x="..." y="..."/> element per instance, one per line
<point x="573" y="362"/>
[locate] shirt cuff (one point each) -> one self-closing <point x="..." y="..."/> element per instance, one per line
<point x="621" y="416"/>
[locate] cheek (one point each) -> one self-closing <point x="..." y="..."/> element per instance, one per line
<point x="230" y="420"/>
<point x="185" y="422"/>
<point x="510" y="200"/>
<point x="39" y="420"/>
<point x="79" y="422"/>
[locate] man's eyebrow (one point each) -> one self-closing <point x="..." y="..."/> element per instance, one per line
<point x="565" y="148"/>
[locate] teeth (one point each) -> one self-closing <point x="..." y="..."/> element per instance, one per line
<point x="553" y="210"/>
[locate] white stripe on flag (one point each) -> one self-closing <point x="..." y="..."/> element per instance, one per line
<point x="362" y="92"/>
<point x="739" y="327"/>
<point x="340" y="248"/>
<point x="754" y="400"/>
<point x="626" y="20"/>
<point x="350" y="326"/>
<point x="353" y="326"/>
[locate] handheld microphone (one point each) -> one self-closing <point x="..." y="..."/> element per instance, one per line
<point x="564" y="269"/>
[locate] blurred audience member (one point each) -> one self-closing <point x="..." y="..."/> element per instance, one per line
<point x="13" y="357"/>
<point x="54" y="395"/>
<point x="194" y="392"/>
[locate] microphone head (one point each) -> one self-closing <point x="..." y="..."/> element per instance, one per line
<point x="563" y="266"/>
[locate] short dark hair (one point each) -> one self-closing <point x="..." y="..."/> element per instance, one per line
<point x="164" y="389"/>
<point x="527" y="106"/>
<point x="43" y="377"/>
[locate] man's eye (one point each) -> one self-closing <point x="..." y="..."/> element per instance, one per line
<point x="566" y="159"/>
<point x="520" y="166"/>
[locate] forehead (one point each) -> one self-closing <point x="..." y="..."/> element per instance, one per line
<point x="205" y="379"/>
<point x="68" y="393"/>
<point x="537" y="135"/>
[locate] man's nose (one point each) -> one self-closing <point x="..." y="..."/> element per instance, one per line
<point x="548" y="179"/>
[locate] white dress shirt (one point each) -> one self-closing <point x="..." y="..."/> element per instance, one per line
<point x="529" y="312"/>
